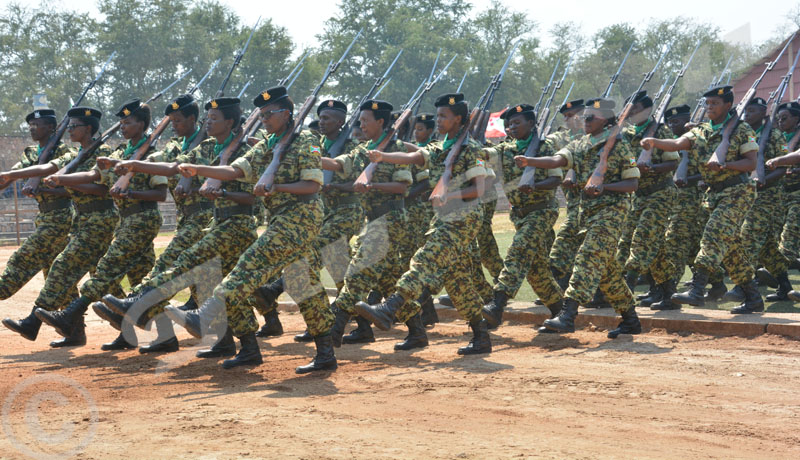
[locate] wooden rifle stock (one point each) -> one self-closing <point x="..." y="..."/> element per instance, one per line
<point x="366" y="175"/>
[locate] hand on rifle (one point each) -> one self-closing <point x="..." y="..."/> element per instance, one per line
<point x="714" y="165"/>
<point x="593" y="190"/>
<point x="648" y="143"/>
<point x="375" y="156"/>
<point x="118" y="192"/>
<point x="772" y="164"/>
<point x="209" y="191"/>
<point x="123" y="167"/>
<point x="438" y="200"/>
<point x="106" y="162"/>
<point x="521" y="161"/>
<point x="187" y="170"/>
<point x="52" y="181"/>
<point x="5" y="180"/>
<point x="361" y="186"/>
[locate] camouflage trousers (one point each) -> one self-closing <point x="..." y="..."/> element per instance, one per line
<point x="762" y="227"/>
<point x="223" y="241"/>
<point x="333" y="242"/>
<point x="444" y="260"/>
<point x="721" y="244"/>
<point x="648" y="218"/>
<point x="131" y="252"/>
<point x="286" y="245"/>
<point x="595" y="264"/>
<point x="682" y="238"/>
<point x="487" y="245"/>
<point x="568" y="239"/>
<point x="189" y="231"/>
<point x="479" y="281"/>
<point x="37" y="251"/>
<point x="790" y="235"/>
<point x="89" y="240"/>
<point x="375" y="260"/>
<point x="418" y="217"/>
<point x="528" y="257"/>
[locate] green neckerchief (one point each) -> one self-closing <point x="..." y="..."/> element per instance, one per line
<point x="448" y="143"/>
<point x="188" y="140"/>
<point x="758" y="131"/>
<point x="603" y="136"/>
<point x="719" y="126"/>
<point x="132" y="148"/>
<point x="327" y="143"/>
<point x="272" y="139"/>
<point x="39" y="151"/>
<point x="789" y="136"/>
<point x="218" y="148"/>
<point x="373" y="144"/>
<point x="522" y="145"/>
<point x="639" y="129"/>
<point x="428" y="141"/>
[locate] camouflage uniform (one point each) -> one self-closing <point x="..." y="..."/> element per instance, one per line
<point x="288" y="242"/>
<point x="568" y="239"/>
<point x="50" y="237"/>
<point x="93" y="228"/>
<point x="232" y="231"/>
<point x="131" y="252"/>
<point x="444" y="259"/>
<point x="533" y="215"/>
<point x="789" y="245"/>
<point x="419" y="213"/>
<point x="602" y="217"/>
<point x="377" y="248"/>
<point x="652" y="205"/>
<point x="728" y="199"/>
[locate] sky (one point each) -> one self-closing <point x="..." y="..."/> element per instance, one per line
<point x="763" y="22"/>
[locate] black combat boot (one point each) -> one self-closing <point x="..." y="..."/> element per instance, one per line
<point x="113" y="311"/>
<point x="324" y="360"/>
<point x="381" y="315"/>
<point x="114" y="319"/>
<point x="125" y="341"/>
<point x="340" y="320"/>
<point x="224" y="347"/>
<point x="565" y="321"/>
<point x="165" y="341"/>
<point x="65" y="320"/>
<point x="266" y="296"/>
<point x="429" y="315"/>
<point x="122" y="306"/>
<point x="555" y="309"/>
<point x="416" y="338"/>
<point x="27" y="327"/>
<point x="493" y="311"/>
<point x="656" y="294"/>
<point x="765" y="278"/>
<point x="190" y="305"/>
<point x="197" y="322"/>
<point x="716" y="292"/>
<point x="630" y="279"/>
<point x="629" y="325"/>
<point x="736" y="294"/>
<point x="272" y="325"/>
<point x="304" y="337"/>
<point x="598" y="301"/>
<point x="695" y="295"/>
<point x="784" y="287"/>
<point x="445" y="300"/>
<point x="249" y="353"/>
<point x="480" y="342"/>
<point x="77" y="339"/>
<point x="361" y="334"/>
<point x="668" y="288"/>
<point x="753" y="303"/>
<point x="652" y="285"/>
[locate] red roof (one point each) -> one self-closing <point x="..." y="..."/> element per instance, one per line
<point x="773" y="78"/>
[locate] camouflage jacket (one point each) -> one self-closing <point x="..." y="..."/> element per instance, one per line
<point x="204" y="154"/>
<point x="172" y="153"/>
<point x="338" y="177"/>
<point x="705" y="140"/>
<point x="511" y="173"/>
<point x="30" y="157"/>
<point x="139" y="181"/>
<point x="79" y="197"/>
<point x="471" y="162"/>
<point x="634" y="135"/>
<point x="792" y="177"/>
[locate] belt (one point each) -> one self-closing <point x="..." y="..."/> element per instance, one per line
<point x="221" y="214"/>
<point x="137" y="208"/>
<point x="520" y="212"/>
<point x="55" y="205"/>
<point x="196" y="207"/>
<point x="647" y="191"/>
<point x="337" y="201"/>
<point x="453" y="206"/>
<point x="94" y="206"/>
<point x="791" y="188"/>
<point x="390" y="205"/>
<point x="736" y="180"/>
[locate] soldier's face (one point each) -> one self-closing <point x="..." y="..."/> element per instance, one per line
<point x="78" y="130"/>
<point x="330" y="122"/>
<point x="274" y="118"/>
<point x="181" y="124"/>
<point x="130" y="127"/>
<point x="447" y="121"/>
<point x="787" y="122"/>
<point x="717" y="108"/>
<point x="639" y="113"/>
<point x="519" y="127"/>
<point x="422" y="133"/>
<point x="217" y="126"/>
<point x="754" y="114"/>
<point x="593" y="121"/>
<point x="678" y="124"/>
<point x="40" y="129"/>
<point x="573" y="120"/>
<point x="371" y="127"/>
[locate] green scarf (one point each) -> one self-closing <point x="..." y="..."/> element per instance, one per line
<point x="132" y="148"/>
<point x="39" y="151"/>
<point x="603" y="136"/>
<point x="789" y="136"/>
<point x="719" y="126"/>
<point x="639" y="129"/>
<point x="218" y="148"/>
<point x="758" y="131"/>
<point x="188" y="140"/>
<point x="272" y="139"/>
<point x="448" y="143"/>
<point x="327" y="143"/>
<point x="373" y="144"/>
<point x="522" y="145"/>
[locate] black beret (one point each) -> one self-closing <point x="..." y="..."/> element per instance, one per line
<point x="179" y="103"/>
<point x="725" y="92"/>
<point x="376" y="106"/>
<point x="332" y="104"/>
<point x="520" y="109"/>
<point x="40" y="113"/>
<point x="447" y="100"/>
<point x="427" y="119"/>
<point x="222" y="102"/>
<point x="641" y="97"/>
<point x="396" y="115"/>
<point x="314" y="125"/>
<point x="82" y="112"/>
<point x="677" y="111"/>
<point x="792" y="107"/>
<point x="604" y="105"/>
<point x="129" y="108"/>
<point x="758" y="101"/>
<point x="572" y="105"/>
<point x="270" y="96"/>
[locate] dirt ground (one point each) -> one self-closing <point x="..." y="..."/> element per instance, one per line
<point x="656" y="395"/>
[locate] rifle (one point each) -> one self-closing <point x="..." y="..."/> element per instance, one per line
<point x="479" y="130"/>
<point x="616" y="74"/>
<point x="265" y="183"/>
<point x="410" y="133"/>
<point x="347" y="129"/>
<point x="299" y="65"/>
<point x="84" y="154"/>
<point x="596" y="180"/>
<point x="418" y="101"/>
<point x="763" y="141"/>
<point x="439" y="193"/>
<point x="380" y="90"/>
<point x="730" y="126"/>
<point x="546" y="88"/>
<point x="699" y="111"/>
<point x="658" y="118"/>
<point x="526" y="181"/>
<point x="32" y="185"/>
<point x="549" y="126"/>
<point x="366" y="175"/>
<point x="458" y="90"/>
